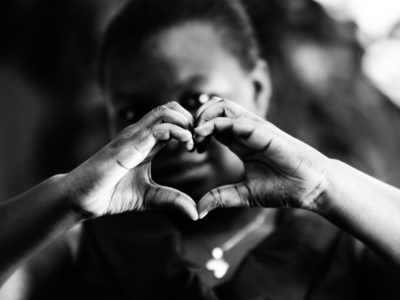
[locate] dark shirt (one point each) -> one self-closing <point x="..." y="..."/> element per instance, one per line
<point x="138" y="256"/>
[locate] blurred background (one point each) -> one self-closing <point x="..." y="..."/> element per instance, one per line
<point x="335" y="69"/>
<point x="335" y="66"/>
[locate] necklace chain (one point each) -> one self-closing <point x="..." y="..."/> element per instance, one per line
<point x="234" y="240"/>
<point x="217" y="264"/>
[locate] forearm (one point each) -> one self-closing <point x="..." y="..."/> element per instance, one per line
<point x="31" y="220"/>
<point x="365" y="207"/>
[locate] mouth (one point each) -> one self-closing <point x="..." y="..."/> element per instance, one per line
<point x="183" y="170"/>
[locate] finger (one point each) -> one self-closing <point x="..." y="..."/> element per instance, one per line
<point x="220" y="124"/>
<point x="137" y="147"/>
<point x="243" y="136"/>
<point x="179" y="108"/>
<point x="222" y="108"/>
<point x="202" y="134"/>
<point x="161" y="197"/>
<point x="209" y="103"/>
<point x="217" y="108"/>
<point x="236" y="195"/>
<point x="251" y="134"/>
<point x="165" y="132"/>
<point x="164" y="114"/>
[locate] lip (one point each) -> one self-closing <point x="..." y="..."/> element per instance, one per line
<point x="180" y="161"/>
<point x="181" y="169"/>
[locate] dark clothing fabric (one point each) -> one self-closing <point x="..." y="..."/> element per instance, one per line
<point x="137" y="256"/>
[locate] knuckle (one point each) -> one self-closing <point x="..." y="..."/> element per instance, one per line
<point x="160" y="110"/>
<point x="217" y="195"/>
<point x="242" y="121"/>
<point x="149" y="130"/>
<point x="172" y="104"/>
<point x="152" y="131"/>
<point x="221" y="101"/>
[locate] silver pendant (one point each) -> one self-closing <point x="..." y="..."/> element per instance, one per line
<point x="218" y="265"/>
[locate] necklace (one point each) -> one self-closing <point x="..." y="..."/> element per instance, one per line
<point x="217" y="264"/>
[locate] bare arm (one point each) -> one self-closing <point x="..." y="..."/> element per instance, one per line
<point x="31" y="220"/>
<point x="365" y="207"/>
<point x="116" y="179"/>
<point x="281" y="171"/>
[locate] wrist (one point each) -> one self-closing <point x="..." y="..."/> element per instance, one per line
<point x="71" y="197"/>
<point x="317" y="199"/>
<point x="323" y="203"/>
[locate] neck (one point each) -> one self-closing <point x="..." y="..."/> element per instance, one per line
<point x="225" y="221"/>
<point x="221" y="226"/>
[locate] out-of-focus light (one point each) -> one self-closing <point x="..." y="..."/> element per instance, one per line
<point x="374" y="18"/>
<point x="336" y="8"/>
<point x="382" y="65"/>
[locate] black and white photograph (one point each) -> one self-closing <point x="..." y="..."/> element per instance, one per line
<point x="200" y="149"/>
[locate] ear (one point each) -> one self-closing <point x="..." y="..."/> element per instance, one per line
<point x="262" y="86"/>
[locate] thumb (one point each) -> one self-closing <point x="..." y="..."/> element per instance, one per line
<point x="161" y="197"/>
<point x="235" y="195"/>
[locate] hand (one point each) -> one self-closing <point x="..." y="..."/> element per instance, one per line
<point x="118" y="177"/>
<point x="280" y="171"/>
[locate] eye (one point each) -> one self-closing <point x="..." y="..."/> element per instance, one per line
<point x="195" y="100"/>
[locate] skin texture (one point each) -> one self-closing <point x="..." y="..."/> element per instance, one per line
<point x="281" y="171"/>
<point x="183" y="61"/>
<point x="119" y="177"/>
<point x="179" y="63"/>
<point x="115" y="180"/>
<point x="275" y="175"/>
<point x="125" y="174"/>
<point x="267" y="167"/>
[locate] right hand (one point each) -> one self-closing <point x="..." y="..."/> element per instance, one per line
<point x="280" y="171"/>
<point x="118" y="177"/>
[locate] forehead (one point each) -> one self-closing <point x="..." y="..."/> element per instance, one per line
<point x="186" y="54"/>
<point x="191" y="46"/>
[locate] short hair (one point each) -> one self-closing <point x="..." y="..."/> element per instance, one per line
<point x="139" y="20"/>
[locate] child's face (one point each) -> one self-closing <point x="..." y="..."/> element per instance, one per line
<point x="179" y="62"/>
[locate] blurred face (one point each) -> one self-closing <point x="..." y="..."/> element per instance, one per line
<point x="178" y="64"/>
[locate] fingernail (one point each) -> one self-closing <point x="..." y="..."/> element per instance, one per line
<point x="203" y="214"/>
<point x="199" y="138"/>
<point x="216" y="98"/>
<point x="190" y="145"/>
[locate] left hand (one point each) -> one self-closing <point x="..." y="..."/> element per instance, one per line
<point x="280" y="171"/>
<point x="118" y="177"/>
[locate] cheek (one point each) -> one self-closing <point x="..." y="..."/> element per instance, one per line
<point x="249" y="104"/>
<point x="227" y="163"/>
<point x="244" y="95"/>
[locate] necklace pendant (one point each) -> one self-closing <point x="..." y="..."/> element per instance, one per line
<point x="218" y="265"/>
